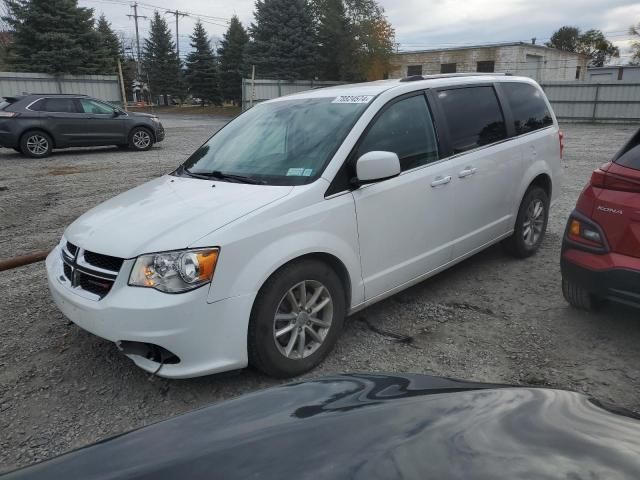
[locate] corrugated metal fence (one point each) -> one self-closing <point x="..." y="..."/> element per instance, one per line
<point x="104" y="87"/>
<point x="610" y="102"/>
<point x="267" y="89"/>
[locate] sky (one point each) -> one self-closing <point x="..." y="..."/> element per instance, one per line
<point x="419" y="24"/>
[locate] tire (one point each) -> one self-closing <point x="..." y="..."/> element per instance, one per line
<point x="578" y="297"/>
<point x="531" y="225"/>
<point x="36" y="144"/>
<point x="274" y="311"/>
<point x="140" y="139"/>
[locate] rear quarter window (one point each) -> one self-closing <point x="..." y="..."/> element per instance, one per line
<point x="474" y="117"/>
<point x="630" y="154"/>
<point x="529" y="110"/>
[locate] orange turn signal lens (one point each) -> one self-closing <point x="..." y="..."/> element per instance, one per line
<point x="207" y="262"/>
<point x="574" y="228"/>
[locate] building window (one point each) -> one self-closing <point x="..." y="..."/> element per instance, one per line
<point x="448" y="68"/>
<point x="578" y="71"/>
<point x="486" y="66"/>
<point x="414" y="70"/>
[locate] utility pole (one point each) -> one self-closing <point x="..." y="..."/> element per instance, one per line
<point x="135" y="17"/>
<point x="177" y="14"/>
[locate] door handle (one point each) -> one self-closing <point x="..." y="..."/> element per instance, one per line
<point x="441" y="181"/>
<point x="467" y="172"/>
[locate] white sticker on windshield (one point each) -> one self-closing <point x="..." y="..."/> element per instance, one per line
<point x="307" y="172"/>
<point x="295" y="172"/>
<point x="353" y="99"/>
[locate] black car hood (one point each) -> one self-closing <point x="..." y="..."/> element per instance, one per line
<point x="372" y="426"/>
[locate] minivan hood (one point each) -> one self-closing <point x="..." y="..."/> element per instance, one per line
<point x="168" y="213"/>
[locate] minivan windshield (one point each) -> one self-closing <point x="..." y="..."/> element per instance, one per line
<point x="288" y="142"/>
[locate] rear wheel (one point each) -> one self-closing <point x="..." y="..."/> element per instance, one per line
<point x="140" y="139"/>
<point x="296" y="319"/>
<point x="531" y="224"/>
<point x="36" y="144"/>
<point x="578" y="297"/>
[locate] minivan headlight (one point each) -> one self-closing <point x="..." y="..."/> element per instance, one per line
<point x="175" y="272"/>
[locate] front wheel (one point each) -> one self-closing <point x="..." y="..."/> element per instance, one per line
<point x="578" y="297"/>
<point x="36" y="144"/>
<point x="140" y="139"/>
<point x="296" y="319"/>
<point x="531" y="224"/>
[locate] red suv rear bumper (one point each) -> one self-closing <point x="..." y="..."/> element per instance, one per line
<point x="612" y="276"/>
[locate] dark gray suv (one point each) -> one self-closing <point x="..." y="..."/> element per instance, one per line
<point x="36" y="124"/>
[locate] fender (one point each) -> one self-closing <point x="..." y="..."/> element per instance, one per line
<point x="300" y="224"/>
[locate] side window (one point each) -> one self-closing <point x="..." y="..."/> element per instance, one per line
<point x="529" y="109"/>
<point x="406" y="129"/>
<point x="59" y="105"/>
<point x="37" y="106"/>
<point x="414" y="70"/>
<point x="473" y="116"/>
<point x="91" y="106"/>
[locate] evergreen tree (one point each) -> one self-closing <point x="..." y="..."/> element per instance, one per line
<point x="232" y="61"/>
<point x="109" y="44"/>
<point x="53" y="36"/>
<point x="160" y="60"/>
<point x="634" y="30"/>
<point x="283" y="43"/>
<point x="202" y="69"/>
<point x="336" y="44"/>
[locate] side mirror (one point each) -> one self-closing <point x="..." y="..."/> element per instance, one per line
<point x="375" y="166"/>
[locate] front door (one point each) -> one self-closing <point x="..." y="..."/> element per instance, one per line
<point x="103" y="126"/>
<point x="404" y="223"/>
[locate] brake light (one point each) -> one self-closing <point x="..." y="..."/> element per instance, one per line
<point x="561" y="139"/>
<point x="7" y="114"/>
<point x="610" y="181"/>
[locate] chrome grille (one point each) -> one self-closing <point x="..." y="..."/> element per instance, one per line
<point x="89" y="271"/>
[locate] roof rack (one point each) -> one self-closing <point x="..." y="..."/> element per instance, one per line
<point x="415" y="78"/>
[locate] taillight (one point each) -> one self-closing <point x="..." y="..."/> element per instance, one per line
<point x="610" y="181"/>
<point x="561" y="139"/>
<point x="585" y="232"/>
<point x="7" y="114"/>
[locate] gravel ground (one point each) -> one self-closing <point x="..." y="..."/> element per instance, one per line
<point x="490" y="318"/>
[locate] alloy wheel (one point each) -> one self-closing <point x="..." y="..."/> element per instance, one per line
<point x="303" y="319"/>
<point x="37" y="145"/>
<point x="533" y="223"/>
<point x="141" y="139"/>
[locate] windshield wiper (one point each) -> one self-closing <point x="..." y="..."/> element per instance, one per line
<point x="230" y="176"/>
<point x="194" y="175"/>
<point x="217" y="174"/>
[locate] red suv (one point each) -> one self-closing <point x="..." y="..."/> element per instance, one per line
<point x="601" y="245"/>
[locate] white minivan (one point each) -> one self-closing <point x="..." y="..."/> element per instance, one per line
<point x="302" y="211"/>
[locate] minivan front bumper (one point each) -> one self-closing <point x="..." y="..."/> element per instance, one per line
<point x="206" y="337"/>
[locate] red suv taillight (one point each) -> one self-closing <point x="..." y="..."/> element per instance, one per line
<point x="561" y="139"/>
<point x="600" y="178"/>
